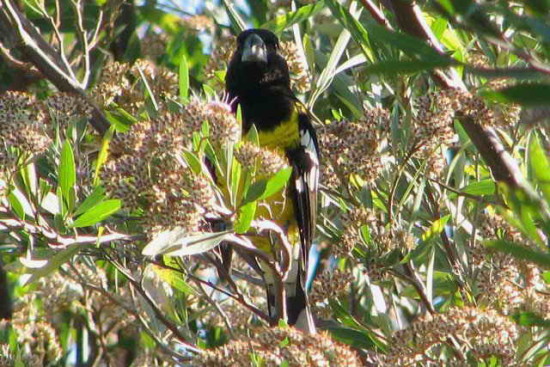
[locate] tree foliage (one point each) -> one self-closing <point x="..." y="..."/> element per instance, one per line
<point x="123" y="172"/>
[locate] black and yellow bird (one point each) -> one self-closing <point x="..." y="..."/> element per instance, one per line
<point x="258" y="80"/>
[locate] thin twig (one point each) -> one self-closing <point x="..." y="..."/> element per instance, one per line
<point x="236" y="296"/>
<point x="416" y="282"/>
<point x="83" y="40"/>
<point x="158" y="313"/>
<point x="376" y="13"/>
<point x="41" y="54"/>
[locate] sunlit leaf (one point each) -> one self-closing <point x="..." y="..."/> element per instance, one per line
<point x="286" y="20"/>
<point x="245" y="217"/>
<point x="184" y="80"/>
<point x="179" y="242"/>
<point x="93" y="199"/>
<point x="263" y="188"/>
<point x="540" y="165"/>
<point x="97" y="213"/>
<point x="436" y="228"/>
<point x="55" y="262"/>
<point x="67" y="173"/>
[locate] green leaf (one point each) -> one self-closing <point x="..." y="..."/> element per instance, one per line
<point x="193" y="161"/>
<point x="348" y="21"/>
<point x="67" y="174"/>
<point x="178" y="242"/>
<point x="262" y="189"/>
<point x="393" y="67"/>
<point x="530" y="319"/>
<point x="483" y="187"/>
<point x="184" y="80"/>
<point x="55" y="262"/>
<point x="353" y="337"/>
<point x="148" y="88"/>
<point x="103" y="153"/>
<point x="436" y="228"/>
<point x="540" y="165"/>
<point x="520" y="252"/>
<point x="166" y="21"/>
<point x="93" y="199"/>
<point x="237" y="23"/>
<point x="534" y="94"/>
<point x="175" y="279"/>
<point x="245" y="217"/>
<point x="286" y="20"/>
<point x="16" y="204"/>
<point x="252" y="135"/>
<point x="97" y="213"/>
<point x="410" y="45"/>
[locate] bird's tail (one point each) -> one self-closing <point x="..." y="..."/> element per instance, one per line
<point x="296" y="301"/>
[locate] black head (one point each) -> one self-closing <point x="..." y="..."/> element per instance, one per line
<point x="256" y="66"/>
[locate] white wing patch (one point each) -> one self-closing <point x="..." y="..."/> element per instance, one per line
<point x="312" y="176"/>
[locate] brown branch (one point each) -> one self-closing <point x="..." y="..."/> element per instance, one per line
<point x="376" y="13"/>
<point x="57" y="241"/>
<point x="503" y="167"/>
<point x="21" y="32"/>
<point x="158" y="313"/>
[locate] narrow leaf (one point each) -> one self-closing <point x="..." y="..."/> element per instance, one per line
<point x="97" y="213"/>
<point x="245" y="217"/>
<point x="178" y="242"/>
<point x="184" y="80"/>
<point x="436" y="228"/>
<point x="540" y="165"/>
<point x="286" y="20"/>
<point x="67" y="173"/>
<point x="103" y="153"/>
<point x="535" y="94"/>
<point x="93" y="199"/>
<point x="520" y="252"/>
<point x="55" y="262"/>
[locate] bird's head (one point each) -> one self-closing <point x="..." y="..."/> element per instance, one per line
<point x="256" y="64"/>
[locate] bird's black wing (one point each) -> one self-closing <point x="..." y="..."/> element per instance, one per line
<point x="305" y="180"/>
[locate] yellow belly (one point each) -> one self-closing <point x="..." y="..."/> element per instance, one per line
<point x="279" y="207"/>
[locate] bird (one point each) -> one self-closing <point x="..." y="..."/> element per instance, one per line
<point x="258" y="80"/>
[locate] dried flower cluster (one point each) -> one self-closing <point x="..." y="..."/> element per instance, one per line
<point x="38" y="316"/>
<point x="352" y="221"/>
<point x="37" y="339"/>
<point x="155" y="45"/>
<point x="199" y="23"/>
<point x="504" y="282"/>
<point x="147" y="170"/>
<point x="354" y="147"/>
<point x="481" y="333"/>
<point x="219" y="59"/>
<point x="433" y="124"/>
<point x="275" y="346"/>
<point x="123" y="84"/>
<point x="23" y="123"/>
<point x="67" y="107"/>
<point x="264" y="161"/>
<point x="225" y="130"/>
<point x="330" y="285"/>
<point x="297" y="66"/>
<point x="382" y="239"/>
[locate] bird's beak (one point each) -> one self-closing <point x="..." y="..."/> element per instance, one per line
<point x="254" y="49"/>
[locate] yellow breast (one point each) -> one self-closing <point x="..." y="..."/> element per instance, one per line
<point x="284" y="136"/>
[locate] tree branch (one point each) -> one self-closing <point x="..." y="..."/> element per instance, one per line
<point x="41" y="54"/>
<point x="503" y="167"/>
